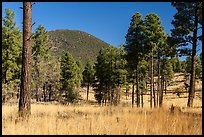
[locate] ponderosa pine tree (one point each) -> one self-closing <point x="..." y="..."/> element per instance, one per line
<point x="110" y="75"/>
<point x="11" y="49"/>
<point x="163" y="51"/>
<point x="187" y="22"/>
<point x="69" y="77"/>
<point x="154" y="33"/>
<point x="119" y="73"/>
<point x="133" y="46"/>
<point x="25" y="91"/>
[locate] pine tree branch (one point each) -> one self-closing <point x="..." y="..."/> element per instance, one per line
<point x="33" y="24"/>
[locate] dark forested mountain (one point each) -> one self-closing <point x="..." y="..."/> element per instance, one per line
<point x="80" y="44"/>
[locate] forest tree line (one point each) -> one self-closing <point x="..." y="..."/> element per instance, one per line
<point x="148" y="52"/>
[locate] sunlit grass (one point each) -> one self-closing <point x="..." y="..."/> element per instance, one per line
<point x="86" y="119"/>
<point x="53" y="119"/>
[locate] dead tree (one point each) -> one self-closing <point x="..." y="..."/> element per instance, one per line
<point x="25" y="94"/>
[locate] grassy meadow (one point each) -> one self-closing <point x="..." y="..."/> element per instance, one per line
<point x="89" y="118"/>
<point x="56" y="119"/>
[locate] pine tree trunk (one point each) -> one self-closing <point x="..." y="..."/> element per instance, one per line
<point x="157" y="96"/>
<point x="25" y="94"/>
<point x="159" y="88"/>
<point x="165" y="84"/>
<point x="87" y="97"/>
<point x="45" y="96"/>
<point x="151" y="81"/>
<point x="154" y="94"/>
<point x="161" y="91"/>
<point x="50" y="95"/>
<point x="37" y="91"/>
<point x="126" y="93"/>
<point x="133" y="94"/>
<point x="37" y="87"/>
<point x="137" y="87"/>
<point x="193" y="64"/>
<point x="142" y="101"/>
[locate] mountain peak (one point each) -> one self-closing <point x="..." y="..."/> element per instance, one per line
<point x="80" y="44"/>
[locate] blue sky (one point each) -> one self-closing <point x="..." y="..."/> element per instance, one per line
<point x="108" y="21"/>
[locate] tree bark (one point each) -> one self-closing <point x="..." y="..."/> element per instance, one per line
<point x="193" y="64"/>
<point x="154" y="94"/>
<point x="161" y="91"/>
<point x="137" y="87"/>
<point x="142" y="101"/>
<point x="45" y="92"/>
<point x="165" y="84"/>
<point x="87" y="97"/>
<point x="37" y="84"/>
<point x="50" y="92"/>
<point x="25" y="94"/>
<point x="50" y="95"/>
<point x="37" y="92"/>
<point x="133" y="94"/>
<point x="151" y="81"/>
<point x="159" y="81"/>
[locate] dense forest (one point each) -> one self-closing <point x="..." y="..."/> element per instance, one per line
<point x="65" y="60"/>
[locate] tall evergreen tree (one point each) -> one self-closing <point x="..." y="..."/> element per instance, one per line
<point x="69" y="77"/>
<point x="154" y="33"/>
<point x="133" y="46"/>
<point x="187" y="21"/>
<point x="11" y="48"/>
<point x="163" y="52"/>
<point x="110" y="75"/>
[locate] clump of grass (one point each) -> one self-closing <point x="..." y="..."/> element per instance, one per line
<point x="86" y="119"/>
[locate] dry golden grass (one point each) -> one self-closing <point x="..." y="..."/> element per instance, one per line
<point x="93" y="119"/>
<point x="54" y="119"/>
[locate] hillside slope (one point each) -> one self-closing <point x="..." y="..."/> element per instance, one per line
<point x="80" y="44"/>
